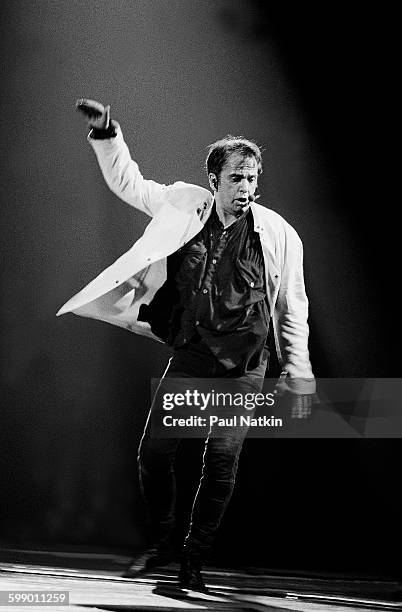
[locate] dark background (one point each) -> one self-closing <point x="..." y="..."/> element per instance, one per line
<point x="314" y="86"/>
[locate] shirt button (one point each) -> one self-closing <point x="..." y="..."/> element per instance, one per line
<point x="214" y="261"/>
<point x="197" y="322"/>
<point x="205" y="290"/>
<point x="251" y="283"/>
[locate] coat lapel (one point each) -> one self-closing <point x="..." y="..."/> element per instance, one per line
<point x="270" y="250"/>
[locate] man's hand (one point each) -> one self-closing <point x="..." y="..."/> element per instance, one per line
<point x="97" y="115"/>
<point x="301" y="405"/>
<point x="291" y="390"/>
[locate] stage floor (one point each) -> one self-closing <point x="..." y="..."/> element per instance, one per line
<point x="94" y="582"/>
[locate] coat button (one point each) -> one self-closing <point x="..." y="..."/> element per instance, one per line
<point x="251" y="283"/>
<point x="205" y="290"/>
<point x="214" y="261"/>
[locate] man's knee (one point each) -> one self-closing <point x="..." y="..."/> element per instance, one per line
<point x="229" y="446"/>
<point x="222" y="458"/>
<point x="155" y="455"/>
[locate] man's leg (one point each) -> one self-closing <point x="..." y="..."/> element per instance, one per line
<point x="220" y="463"/>
<point x="156" y="464"/>
<point x="158" y="487"/>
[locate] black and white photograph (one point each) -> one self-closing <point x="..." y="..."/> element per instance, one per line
<point x="200" y="326"/>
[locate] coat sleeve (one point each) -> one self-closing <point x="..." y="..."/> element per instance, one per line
<point x="291" y="314"/>
<point x="123" y="176"/>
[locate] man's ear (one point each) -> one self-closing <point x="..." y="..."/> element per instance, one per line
<point x="213" y="181"/>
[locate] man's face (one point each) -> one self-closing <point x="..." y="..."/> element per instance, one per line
<point x="237" y="181"/>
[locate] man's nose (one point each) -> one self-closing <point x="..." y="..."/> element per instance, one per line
<point x="244" y="186"/>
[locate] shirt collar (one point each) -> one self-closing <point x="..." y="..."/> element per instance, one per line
<point x="214" y="217"/>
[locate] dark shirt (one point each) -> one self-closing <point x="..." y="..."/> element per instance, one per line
<point x="215" y="292"/>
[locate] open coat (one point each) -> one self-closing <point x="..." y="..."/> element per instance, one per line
<point x="178" y="212"/>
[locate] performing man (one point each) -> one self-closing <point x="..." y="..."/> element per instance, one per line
<point x="208" y="275"/>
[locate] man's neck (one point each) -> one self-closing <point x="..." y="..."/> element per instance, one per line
<point x="227" y="218"/>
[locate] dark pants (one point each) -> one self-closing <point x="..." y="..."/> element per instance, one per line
<point x="220" y="459"/>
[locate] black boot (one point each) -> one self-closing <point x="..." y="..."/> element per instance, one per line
<point x="147" y="561"/>
<point x="190" y="574"/>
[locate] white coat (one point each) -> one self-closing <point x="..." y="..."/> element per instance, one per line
<point x="178" y="212"/>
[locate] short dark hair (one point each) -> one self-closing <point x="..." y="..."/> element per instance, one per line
<point x="220" y="151"/>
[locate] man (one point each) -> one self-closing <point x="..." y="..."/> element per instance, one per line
<point x="206" y="278"/>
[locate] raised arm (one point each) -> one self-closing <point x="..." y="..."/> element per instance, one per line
<point x="120" y="172"/>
